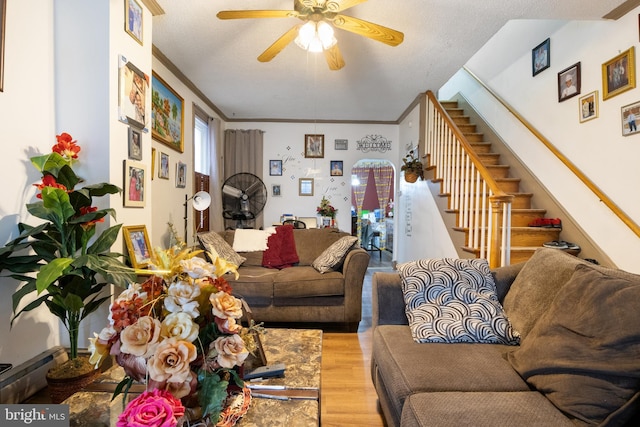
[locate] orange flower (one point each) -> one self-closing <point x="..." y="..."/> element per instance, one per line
<point x="88" y="209"/>
<point x="48" y="181"/>
<point x="66" y="146"/>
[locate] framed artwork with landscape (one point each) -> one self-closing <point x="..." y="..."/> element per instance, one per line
<point x="630" y="115"/>
<point x="314" y="146"/>
<point x="619" y="74"/>
<point x="134" y="184"/>
<point x="541" y="57"/>
<point x="569" y="82"/>
<point x="138" y="246"/>
<point x="167" y="120"/>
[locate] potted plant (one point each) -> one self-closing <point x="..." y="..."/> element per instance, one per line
<point x="412" y="167"/>
<point x="62" y="260"/>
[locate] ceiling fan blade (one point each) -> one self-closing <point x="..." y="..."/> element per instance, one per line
<point x="279" y="44"/>
<point x="340" y="5"/>
<point x="369" y="29"/>
<point x="242" y="14"/>
<point x="334" y="57"/>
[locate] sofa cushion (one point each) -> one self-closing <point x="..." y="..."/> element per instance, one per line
<point x="485" y="409"/>
<point x="215" y="244"/>
<point x="454" y="300"/>
<point x="305" y="281"/>
<point x="406" y="367"/>
<point x="281" y="249"/>
<point x="255" y="284"/>
<point x="584" y="352"/>
<point x="311" y="242"/>
<point x="332" y="257"/>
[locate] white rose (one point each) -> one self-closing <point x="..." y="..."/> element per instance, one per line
<point x="197" y="268"/>
<point x="179" y="325"/>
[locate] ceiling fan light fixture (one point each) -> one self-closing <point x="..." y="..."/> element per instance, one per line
<point x="315" y="37"/>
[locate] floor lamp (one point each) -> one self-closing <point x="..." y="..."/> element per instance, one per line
<point x="201" y="201"/>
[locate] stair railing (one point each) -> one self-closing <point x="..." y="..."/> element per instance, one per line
<point x="484" y="210"/>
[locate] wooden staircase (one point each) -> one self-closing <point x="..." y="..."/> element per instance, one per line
<point x="524" y="239"/>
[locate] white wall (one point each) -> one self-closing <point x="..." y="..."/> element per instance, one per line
<point x="285" y="141"/>
<point x="596" y="147"/>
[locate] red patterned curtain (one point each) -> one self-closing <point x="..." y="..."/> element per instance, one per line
<point x="384" y="179"/>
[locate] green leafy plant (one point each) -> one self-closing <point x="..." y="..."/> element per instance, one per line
<point x="58" y="259"/>
<point x="410" y="163"/>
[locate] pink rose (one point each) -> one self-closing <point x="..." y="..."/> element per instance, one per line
<point x="156" y="408"/>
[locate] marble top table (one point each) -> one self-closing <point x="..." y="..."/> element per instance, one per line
<point x="298" y="404"/>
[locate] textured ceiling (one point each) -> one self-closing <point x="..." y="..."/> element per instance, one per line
<point x="378" y="82"/>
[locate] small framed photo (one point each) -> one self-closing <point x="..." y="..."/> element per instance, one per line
<point x="181" y="175"/>
<point x="314" y="146"/>
<point x="541" y="57"/>
<point x="630" y="115"/>
<point x="619" y="74"/>
<point x="137" y="242"/>
<point x="135" y="143"/>
<point x="336" y="167"/>
<point x="163" y="170"/>
<point x="134" y="184"/>
<point x="275" y="190"/>
<point x="588" y="106"/>
<point x="569" y="82"/>
<point x="275" y="167"/>
<point x="154" y="156"/>
<point x="305" y="187"/>
<point x="341" y="144"/>
<point x="133" y="19"/>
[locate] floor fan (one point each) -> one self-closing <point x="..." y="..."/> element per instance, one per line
<point x="243" y="198"/>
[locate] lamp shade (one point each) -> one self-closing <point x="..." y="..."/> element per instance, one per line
<point x="201" y="200"/>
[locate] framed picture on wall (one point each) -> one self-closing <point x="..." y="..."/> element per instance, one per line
<point x="181" y="175"/>
<point x="619" y="74"/>
<point x="163" y="171"/>
<point x="630" y="116"/>
<point x="588" y="106"/>
<point x="314" y="146"/>
<point x="134" y="184"/>
<point x="133" y="87"/>
<point x="541" y="57"/>
<point x="275" y="167"/>
<point x="305" y="187"/>
<point x="153" y="163"/>
<point x="167" y="122"/>
<point x="569" y="82"/>
<point x="133" y="19"/>
<point x="336" y="167"/>
<point x="275" y="190"/>
<point x="341" y="144"/>
<point x="135" y="143"/>
<point x="138" y="246"/>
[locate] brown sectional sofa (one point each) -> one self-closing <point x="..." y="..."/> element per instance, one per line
<point x="578" y="362"/>
<point x="300" y="294"/>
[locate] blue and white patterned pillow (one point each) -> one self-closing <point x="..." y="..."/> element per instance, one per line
<point x="454" y="301"/>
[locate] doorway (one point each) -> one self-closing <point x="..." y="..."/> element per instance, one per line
<point x="372" y="201"/>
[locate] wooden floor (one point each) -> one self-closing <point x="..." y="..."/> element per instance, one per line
<point x="348" y="396"/>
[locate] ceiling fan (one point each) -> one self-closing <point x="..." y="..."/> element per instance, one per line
<point x="318" y="14"/>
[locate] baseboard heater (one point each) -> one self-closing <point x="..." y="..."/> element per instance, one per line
<point x="23" y="381"/>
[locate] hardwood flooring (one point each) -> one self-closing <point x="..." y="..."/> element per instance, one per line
<point x="348" y="397"/>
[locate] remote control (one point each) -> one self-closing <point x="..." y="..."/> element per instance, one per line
<point x="275" y="370"/>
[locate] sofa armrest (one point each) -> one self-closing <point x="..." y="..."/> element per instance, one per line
<point x="387" y="301"/>
<point x="354" y="268"/>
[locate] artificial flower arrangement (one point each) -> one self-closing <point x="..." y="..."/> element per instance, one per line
<point x="64" y="260"/>
<point x="326" y="209"/>
<point x="179" y="332"/>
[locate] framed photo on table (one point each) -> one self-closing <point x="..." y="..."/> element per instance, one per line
<point x="138" y="246"/>
<point x="314" y="146"/>
<point x="569" y="82"/>
<point x="541" y="57"/>
<point x="134" y="184"/>
<point x="619" y="74"/>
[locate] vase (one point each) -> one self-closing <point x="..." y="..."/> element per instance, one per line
<point x="410" y="176"/>
<point x="62" y="388"/>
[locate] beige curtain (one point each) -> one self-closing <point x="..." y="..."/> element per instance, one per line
<point x="216" y="222"/>
<point x="243" y="153"/>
